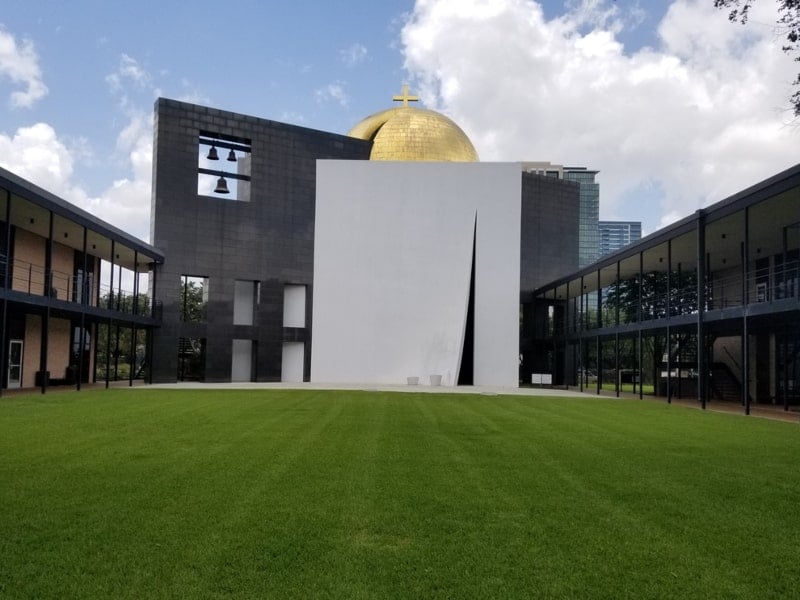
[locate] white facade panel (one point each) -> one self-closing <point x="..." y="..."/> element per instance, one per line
<point x="392" y="264"/>
<point x="292" y="361"/>
<point x="497" y="276"/>
<point x="243" y="301"/>
<point x="294" y="306"/>
<point x="241" y="360"/>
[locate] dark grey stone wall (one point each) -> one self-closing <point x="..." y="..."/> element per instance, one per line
<point x="550" y="228"/>
<point x="550" y="209"/>
<point x="269" y="239"/>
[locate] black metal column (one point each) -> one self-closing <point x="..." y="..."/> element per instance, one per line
<point x="701" y="307"/>
<point x="48" y="283"/>
<point x="150" y="342"/>
<point x="616" y="334"/>
<point x="669" y="316"/>
<point x="109" y="307"/>
<point x="84" y="292"/>
<point x="616" y="363"/>
<point x="745" y="309"/>
<point x="598" y="345"/>
<point x="135" y="310"/>
<point x="6" y="282"/>
<point x="580" y="321"/>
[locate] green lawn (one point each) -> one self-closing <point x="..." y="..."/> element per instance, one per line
<point x="627" y="388"/>
<point x="211" y="494"/>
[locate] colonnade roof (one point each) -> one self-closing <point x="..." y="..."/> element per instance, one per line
<point x="31" y="206"/>
<point x="774" y="204"/>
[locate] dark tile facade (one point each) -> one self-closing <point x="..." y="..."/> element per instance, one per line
<point x="550" y="209"/>
<point x="269" y="239"/>
<point x="550" y="231"/>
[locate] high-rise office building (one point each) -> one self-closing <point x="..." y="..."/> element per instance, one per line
<point x="589" y="211"/>
<point x="617" y="234"/>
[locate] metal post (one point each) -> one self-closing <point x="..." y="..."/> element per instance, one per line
<point x="135" y="312"/>
<point x="135" y="282"/>
<point x="745" y="367"/>
<point x="639" y="323"/>
<point x="116" y="352"/>
<point x="6" y="283"/>
<point x="640" y="360"/>
<point x="48" y="257"/>
<point x="745" y="334"/>
<point x="701" y="306"/>
<point x="616" y="363"/>
<point x="600" y="322"/>
<point x="84" y="291"/>
<point x="110" y="300"/>
<point x="109" y="307"/>
<point x="599" y="359"/>
<point x="598" y="344"/>
<point x="616" y="293"/>
<point x="669" y="365"/>
<point x="669" y="316"/>
<point x="580" y="321"/>
<point x="641" y="283"/>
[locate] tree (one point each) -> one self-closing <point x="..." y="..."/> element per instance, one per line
<point x="192" y="300"/>
<point x="118" y="353"/>
<point x="788" y="23"/>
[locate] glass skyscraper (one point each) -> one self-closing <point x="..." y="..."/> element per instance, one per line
<point x="617" y="234"/>
<point x="589" y="211"/>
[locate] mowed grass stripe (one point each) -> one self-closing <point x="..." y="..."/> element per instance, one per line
<point x="151" y="493"/>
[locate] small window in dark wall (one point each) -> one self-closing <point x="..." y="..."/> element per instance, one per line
<point x="191" y="359"/>
<point x="193" y="298"/>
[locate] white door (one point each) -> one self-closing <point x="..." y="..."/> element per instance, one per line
<point x="14" y="364"/>
<point x="241" y="360"/>
<point x="293" y="361"/>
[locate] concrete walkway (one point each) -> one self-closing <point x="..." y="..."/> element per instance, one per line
<point x="427" y="389"/>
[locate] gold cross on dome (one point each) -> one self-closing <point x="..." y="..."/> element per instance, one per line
<point x="404" y="97"/>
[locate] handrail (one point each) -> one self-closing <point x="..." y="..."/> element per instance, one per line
<point x="733" y="360"/>
<point x="35" y="280"/>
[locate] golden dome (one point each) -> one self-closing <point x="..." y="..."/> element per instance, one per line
<point x="414" y="134"/>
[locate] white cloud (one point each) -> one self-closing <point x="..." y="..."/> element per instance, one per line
<point x="129" y="70"/>
<point x="20" y="64"/>
<point x="354" y="54"/>
<point x="37" y="154"/>
<point x="290" y="116"/>
<point x="126" y="203"/>
<point x="697" y="118"/>
<point x="333" y="91"/>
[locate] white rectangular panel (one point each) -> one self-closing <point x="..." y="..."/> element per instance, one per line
<point x="292" y="361"/>
<point x="392" y="263"/>
<point x="294" y="306"/>
<point x="241" y="360"/>
<point x="243" y="301"/>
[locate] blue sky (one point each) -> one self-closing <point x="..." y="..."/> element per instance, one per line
<point x="674" y="105"/>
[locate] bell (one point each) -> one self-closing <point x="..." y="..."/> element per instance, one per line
<point x="232" y="156"/>
<point x="212" y="153"/>
<point x="222" y="186"/>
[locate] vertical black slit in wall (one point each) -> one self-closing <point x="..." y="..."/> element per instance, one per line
<point x="465" y="374"/>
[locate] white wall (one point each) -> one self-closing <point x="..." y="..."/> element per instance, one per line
<point x="392" y="262"/>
